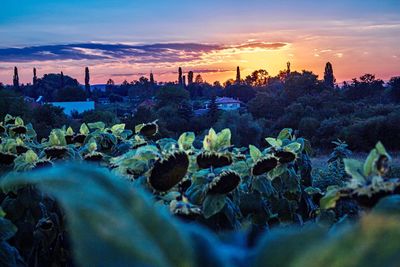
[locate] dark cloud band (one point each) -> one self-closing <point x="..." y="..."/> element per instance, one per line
<point x="148" y="53"/>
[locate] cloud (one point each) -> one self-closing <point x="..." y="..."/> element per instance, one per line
<point x="262" y="45"/>
<point x="145" y="53"/>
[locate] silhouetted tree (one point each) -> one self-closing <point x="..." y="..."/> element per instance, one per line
<point x="87" y="82"/>
<point x="110" y="84"/>
<point x="288" y="68"/>
<point x="34" y="80"/>
<point x="237" y="75"/>
<point x="190" y="77"/>
<point x="301" y="84"/>
<point x="198" y="79"/>
<point x="395" y="88"/>
<point x="257" y="78"/>
<point x="329" y="79"/>
<point x="367" y="86"/>
<point x="68" y="94"/>
<point x="171" y="96"/>
<point x="62" y="80"/>
<point x="213" y="112"/>
<point x="229" y="82"/>
<point x="16" y="78"/>
<point x="184" y="81"/>
<point x="151" y="78"/>
<point x="180" y="80"/>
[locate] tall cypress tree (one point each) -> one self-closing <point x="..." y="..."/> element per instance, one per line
<point x="34" y="80"/>
<point x="151" y="78"/>
<point x="180" y="80"/>
<point x="190" y="77"/>
<point x="237" y="75"/>
<point x="288" y="68"/>
<point x="87" y="82"/>
<point x="62" y="80"/>
<point x="213" y="112"/>
<point x="16" y="78"/>
<point x="329" y="79"/>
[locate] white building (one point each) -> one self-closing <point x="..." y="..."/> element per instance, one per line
<point x="70" y="107"/>
<point x="226" y="103"/>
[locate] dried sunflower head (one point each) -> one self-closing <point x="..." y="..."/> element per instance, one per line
<point x="264" y="165"/>
<point x="149" y="129"/>
<point x="285" y="156"/>
<point x="7" y="158"/>
<point x="207" y="160"/>
<point x="224" y="183"/>
<point x="168" y="172"/>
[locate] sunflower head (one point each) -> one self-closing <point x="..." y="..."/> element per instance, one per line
<point x="168" y="172"/>
<point x="224" y="183"/>
<point x="148" y="129"/>
<point x="264" y="165"/>
<point x="6" y="158"/>
<point x="57" y="152"/>
<point x="285" y="156"/>
<point x="20" y="129"/>
<point x="207" y="160"/>
<point x="93" y="157"/>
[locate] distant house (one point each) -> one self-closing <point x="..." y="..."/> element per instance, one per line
<point x="226" y="103"/>
<point x="70" y="107"/>
<point x="148" y="103"/>
<point x="223" y="103"/>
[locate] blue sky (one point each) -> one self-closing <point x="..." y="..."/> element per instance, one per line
<point x="357" y="28"/>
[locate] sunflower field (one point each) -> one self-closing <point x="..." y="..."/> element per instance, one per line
<point x="110" y="196"/>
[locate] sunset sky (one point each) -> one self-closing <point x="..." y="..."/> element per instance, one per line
<point x="123" y="39"/>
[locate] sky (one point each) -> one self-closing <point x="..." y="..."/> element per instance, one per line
<point x="126" y="39"/>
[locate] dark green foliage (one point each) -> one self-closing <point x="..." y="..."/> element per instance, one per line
<point x="213" y="112"/>
<point x="67" y="94"/>
<point x="395" y="88"/>
<point x="171" y="96"/>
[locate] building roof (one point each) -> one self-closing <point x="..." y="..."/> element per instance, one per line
<point x="69" y="107"/>
<point x="226" y="100"/>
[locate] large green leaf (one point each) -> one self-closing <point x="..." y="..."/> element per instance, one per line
<point x="213" y="204"/>
<point x="186" y="140"/>
<point x="223" y="139"/>
<point x="111" y="223"/>
<point x="331" y="196"/>
<point x="255" y="153"/>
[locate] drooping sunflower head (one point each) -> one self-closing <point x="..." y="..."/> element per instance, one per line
<point x="149" y="129"/>
<point x="56" y="152"/>
<point x="93" y="157"/>
<point x="168" y="172"/>
<point x="224" y="183"/>
<point x="7" y="158"/>
<point x="207" y="160"/>
<point x="20" y="129"/>
<point x="285" y="156"/>
<point x="264" y="165"/>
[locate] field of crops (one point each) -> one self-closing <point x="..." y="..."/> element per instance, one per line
<point x="110" y="196"/>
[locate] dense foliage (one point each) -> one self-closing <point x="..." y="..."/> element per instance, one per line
<point x="109" y="196"/>
<point x="360" y="112"/>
